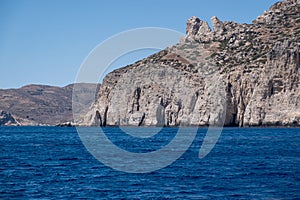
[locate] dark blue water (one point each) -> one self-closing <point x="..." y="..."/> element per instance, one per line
<point x="52" y="163"/>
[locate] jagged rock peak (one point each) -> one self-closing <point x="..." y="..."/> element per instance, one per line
<point x="196" y="27"/>
<point x="218" y="25"/>
<point x="200" y="31"/>
<point x="192" y="26"/>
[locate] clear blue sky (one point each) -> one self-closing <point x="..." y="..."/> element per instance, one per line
<point x="45" y="41"/>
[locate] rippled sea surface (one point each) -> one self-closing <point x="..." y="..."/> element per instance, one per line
<point x="246" y="163"/>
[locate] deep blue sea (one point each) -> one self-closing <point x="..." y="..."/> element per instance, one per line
<point x="246" y="163"/>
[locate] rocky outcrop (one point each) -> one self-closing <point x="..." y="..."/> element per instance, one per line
<point x="198" y="29"/>
<point x="234" y="74"/>
<point x="6" y="119"/>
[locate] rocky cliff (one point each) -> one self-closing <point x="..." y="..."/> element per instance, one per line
<point x="236" y="74"/>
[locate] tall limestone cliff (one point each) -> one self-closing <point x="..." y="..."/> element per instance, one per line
<point x="232" y="74"/>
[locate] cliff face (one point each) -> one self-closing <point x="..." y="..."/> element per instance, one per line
<point x="239" y="74"/>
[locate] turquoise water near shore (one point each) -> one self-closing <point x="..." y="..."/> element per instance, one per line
<point x="246" y="163"/>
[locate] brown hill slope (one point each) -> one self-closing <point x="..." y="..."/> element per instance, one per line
<point x="41" y="104"/>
